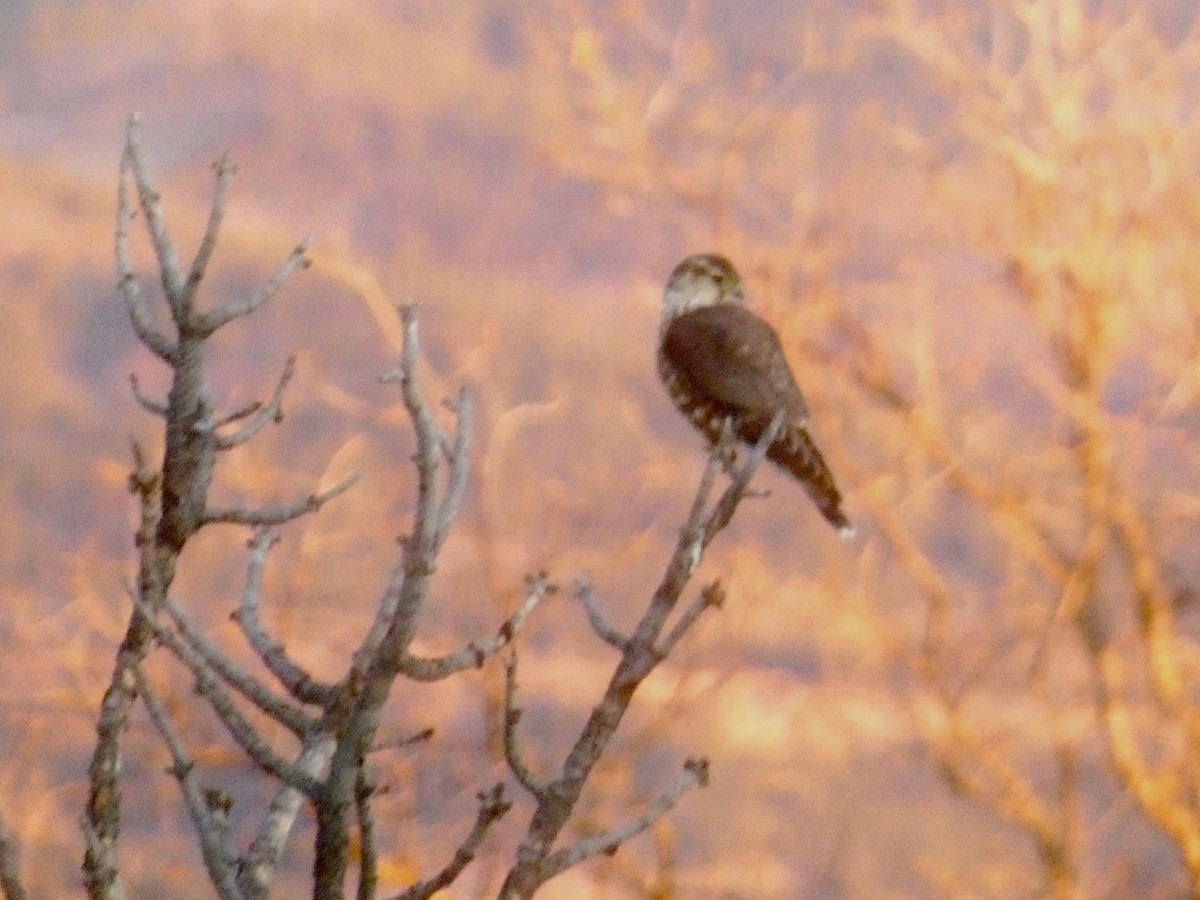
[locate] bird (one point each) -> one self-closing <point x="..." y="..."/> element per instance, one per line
<point x="720" y="362"/>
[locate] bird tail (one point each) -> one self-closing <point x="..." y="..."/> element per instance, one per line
<point x="795" y="453"/>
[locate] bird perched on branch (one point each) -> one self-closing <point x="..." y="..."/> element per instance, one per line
<point x="719" y="361"/>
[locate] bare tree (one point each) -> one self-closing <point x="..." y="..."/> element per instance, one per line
<point x="1072" y="184"/>
<point x="333" y="725"/>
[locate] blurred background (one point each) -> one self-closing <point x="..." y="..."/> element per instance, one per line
<point x="973" y="224"/>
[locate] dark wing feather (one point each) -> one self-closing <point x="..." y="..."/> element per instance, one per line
<point x="733" y="358"/>
<point x="796" y="453"/>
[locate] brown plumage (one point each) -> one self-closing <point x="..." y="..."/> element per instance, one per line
<point x="719" y="361"/>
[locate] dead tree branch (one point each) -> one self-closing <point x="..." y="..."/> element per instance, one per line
<point x="537" y="862"/>
<point x="493" y="805"/>
<point x="337" y="724"/>
<point x="174" y="499"/>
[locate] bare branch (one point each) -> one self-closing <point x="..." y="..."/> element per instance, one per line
<point x="101" y="820"/>
<point x="278" y="515"/>
<point x="977" y="771"/>
<point x="238" y="414"/>
<point x="729" y="501"/>
<point x="368" y="864"/>
<point x="206" y="323"/>
<point x="512" y="748"/>
<point x="230" y="672"/>
<point x="716" y="462"/>
<point x="202" y="656"/>
<point x="430" y="439"/>
<point x="377" y="662"/>
<point x="260" y="863"/>
<point x="394" y="620"/>
<point x="458" y="458"/>
<point x="711" y="597"/>
<point x="475" y="655"/>
<point x="135" y="303"/>
<point x="557" y="799"/>
<point x="174" y="505"/>
<point x="254" y="745"/>
<point x="610" y="636"/>
<point x="493" y="805"/>
<point x="385" y="615"/>
<point x="403" y="743"/>
<point x="1158" y="790"/>
<point x="152" y="406"/>
<point x="695" y="772"/>
<point x="164" y="248"/>
<point x="209" y="686"/>
<point x="219" y="857"/>
<point x="263" y="414"/>
<point x="298" y="682"/>
<point x="225" y="170"/>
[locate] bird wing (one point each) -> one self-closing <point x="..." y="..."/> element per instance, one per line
<point x="732" y="357"/>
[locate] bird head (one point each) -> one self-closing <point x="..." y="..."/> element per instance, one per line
<point x="704" y="279"/>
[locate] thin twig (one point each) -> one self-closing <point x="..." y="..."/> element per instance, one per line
<point x="263" y="413"/>
<point x="207" y="323"/>
<point x="135" y="303"/>
<point x="231" y="673"/>
<point x="225" y="170"/>
<point x="152" y="406"/>
<point x="294" y="678"/>
<point x="278" y="515"/>
<point x="209" y="686"/>
<point x="422" y="546"/>
<point x="695" y="772"/>
<point x="238" y="414"/>
<point x="475" y="655"/>
<point x="458" y="458"/>
<point x="407" y="743"/>
<point x="711" y="597"/>
<point x="493" y="805"/>
<point x="606" y="633"/>
<point x="219" y="857"/>
<point x="512" y="747"/>
<point x="151" y="203"/>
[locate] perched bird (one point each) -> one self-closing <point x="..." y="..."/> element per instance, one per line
<point x="719" y="361"/>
